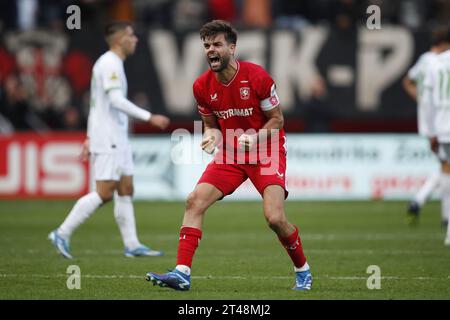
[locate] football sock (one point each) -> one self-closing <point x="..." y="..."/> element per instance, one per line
<point x="448" y="231"/>
<point x="82" y="210"/>
<point x="185" y="269"/>
<point x="124" y="214"/>
<point x="304" y="268"/>
<point x="293" y="246"/>
<point x="445" y="203"/>
<point x="427" y="188"/>
<point x="189" y="240"/>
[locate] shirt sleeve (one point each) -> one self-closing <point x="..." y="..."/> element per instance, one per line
<point x="413" y="73"/>
<point x="110" y="77"/>
<point x="266" y="91"/>
<point x="118" y="101"/>
<point x="202" y="107"/>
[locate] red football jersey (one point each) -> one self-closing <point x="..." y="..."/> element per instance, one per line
<point x="239" y="106"/>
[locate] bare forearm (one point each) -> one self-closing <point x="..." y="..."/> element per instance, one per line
<point x="211" y="127"/>
<point x="410" y="88"/>
<point x="271" y="126"/>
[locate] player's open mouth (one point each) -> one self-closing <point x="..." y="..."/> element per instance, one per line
<point x="214" y="61"/>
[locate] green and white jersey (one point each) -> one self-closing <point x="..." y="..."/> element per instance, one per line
<point x="437" y="91"/>
<point x="417" y="74"/>
<point x="107" y="126"/>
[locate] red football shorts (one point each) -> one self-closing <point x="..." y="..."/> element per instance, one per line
<point x="228" y="177"/>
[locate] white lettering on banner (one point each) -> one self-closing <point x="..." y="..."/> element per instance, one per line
<point x="293" y="65"/>
<point x="64" y="172"/>
<point x="252" y="47"/>
<point x="33" y="167"/>
<point x="376" y="71"/>
<point x="177" y="69"/>
<point x="10" y="183"/>
<point x="31" y="170"/>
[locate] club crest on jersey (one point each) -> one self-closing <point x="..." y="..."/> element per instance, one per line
<point x="245" y="93"/>
<point x="274" y="101"/>
<point x="213" y="96"/>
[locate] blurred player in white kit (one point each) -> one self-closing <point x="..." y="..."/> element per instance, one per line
<point x="108" y="145"/>
<point x="414" y="86"/>
<point x="437" y="93"/>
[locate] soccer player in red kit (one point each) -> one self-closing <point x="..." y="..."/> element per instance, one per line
<point x="243" y="127"/>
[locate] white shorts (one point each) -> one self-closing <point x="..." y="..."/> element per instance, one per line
<point x="444" y="152"/>
<point x="111" y="166"/>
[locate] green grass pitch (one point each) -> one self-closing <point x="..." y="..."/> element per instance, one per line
<point x="239" y="257"/>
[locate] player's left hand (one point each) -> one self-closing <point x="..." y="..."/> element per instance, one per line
<point x="247" y="141"/>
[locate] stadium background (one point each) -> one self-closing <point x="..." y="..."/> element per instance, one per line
<point x="334" y="75"/>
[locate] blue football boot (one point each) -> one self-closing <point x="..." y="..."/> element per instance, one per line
<point x="61" y="244"/>
<point x="303" y="280"/>
<point x="173" y="279"/>
<point x="142" y="251"/>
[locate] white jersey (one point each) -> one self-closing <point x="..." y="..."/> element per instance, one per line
<point x="437" y="86"/>
<point x="107" y="126"/>
<point x="417" y="74"/>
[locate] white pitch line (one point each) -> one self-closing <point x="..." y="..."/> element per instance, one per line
<point x="305" y="236"/>
<point x="341" y="251"/>
<point x="210" y="277"/>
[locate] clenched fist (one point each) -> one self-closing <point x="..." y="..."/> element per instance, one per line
<point x="209" y="144"/>
<point x="246" y="141"/>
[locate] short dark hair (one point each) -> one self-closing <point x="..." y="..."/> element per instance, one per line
<point x="215" y="27"/>
<point x="115" y="26"/>
<point x="440" y="34"/>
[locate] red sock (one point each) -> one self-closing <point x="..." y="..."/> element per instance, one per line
<point x="293" y="246"/>
<point x="189" y="240"/>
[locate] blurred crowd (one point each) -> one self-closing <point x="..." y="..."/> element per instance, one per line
<point x="16" y="113"/>
<point x="190" y="14"/>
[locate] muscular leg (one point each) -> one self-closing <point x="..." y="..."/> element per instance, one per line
<point x="125" y="187"/>
<point x="274" y="211"/>
<point x="203" y="196"/>
<point x="276" y="218"/>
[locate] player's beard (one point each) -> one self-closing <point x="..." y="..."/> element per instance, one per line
<point x="224" y="62"/>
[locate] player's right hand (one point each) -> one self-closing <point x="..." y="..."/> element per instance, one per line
<point x="84" y="155"/>
<point x="159" y="121"/>
<point x="208" y="144"/>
